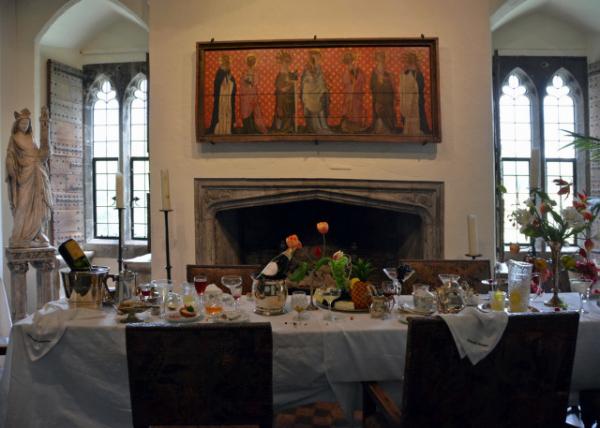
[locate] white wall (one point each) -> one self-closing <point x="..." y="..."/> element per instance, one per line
<point x="539" y="33"/>
<point x="22" y="23"/>
<point x="463" y="160"/>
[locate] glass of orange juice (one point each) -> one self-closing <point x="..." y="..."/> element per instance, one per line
<point x="213" y="305"/>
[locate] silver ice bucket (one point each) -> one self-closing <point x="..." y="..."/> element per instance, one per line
<point x="86" y="289"/>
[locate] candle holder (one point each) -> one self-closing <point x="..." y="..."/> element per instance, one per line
<point x="168" y="254"/>
<point x="473" y="256"/>
<point x="120" y="256"/>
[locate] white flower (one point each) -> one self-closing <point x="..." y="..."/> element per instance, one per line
<point x="572" y="217"/>
<point x="522" y="216"/>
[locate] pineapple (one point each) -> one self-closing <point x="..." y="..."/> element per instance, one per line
<point x="361" y="297"/>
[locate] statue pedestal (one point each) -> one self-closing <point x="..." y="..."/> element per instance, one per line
<point x="44" y="261"/>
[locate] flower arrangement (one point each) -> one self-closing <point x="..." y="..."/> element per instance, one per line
<point x="339" y="263"/>
<point x="540" y="219"/>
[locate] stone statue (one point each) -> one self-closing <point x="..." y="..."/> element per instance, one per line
<point x="29" y="191"/>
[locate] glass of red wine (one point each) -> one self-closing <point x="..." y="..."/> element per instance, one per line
<point x="200" y="283"/>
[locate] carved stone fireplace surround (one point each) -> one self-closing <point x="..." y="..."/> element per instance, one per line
<point x="420" y="198"/>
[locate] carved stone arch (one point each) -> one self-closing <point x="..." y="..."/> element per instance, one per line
<point x="423" y="200"/>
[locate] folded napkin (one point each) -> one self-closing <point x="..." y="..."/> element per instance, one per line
<point x="49" y="324"/>
<point x="476" y="333"/>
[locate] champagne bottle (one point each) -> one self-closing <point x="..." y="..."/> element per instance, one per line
<point x="278" y="266"/>
<point x="73" y="255"/>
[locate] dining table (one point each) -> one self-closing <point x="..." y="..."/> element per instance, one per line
<point x="82" y="381"/>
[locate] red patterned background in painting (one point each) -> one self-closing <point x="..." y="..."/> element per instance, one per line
<point x="333" y="68"/>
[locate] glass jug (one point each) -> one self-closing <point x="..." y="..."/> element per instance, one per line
<point x="451" y="298"/>
<point x="519" y="285"/>
<point x="423" y="299"/>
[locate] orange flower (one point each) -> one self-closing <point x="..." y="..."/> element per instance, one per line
<point x="323" y="227"/>
<point x="544" y="208"/>
<point x="292" y="241"/>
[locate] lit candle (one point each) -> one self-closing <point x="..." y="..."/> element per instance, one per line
<point x="119" y="190"/>
<point x="472" y="233"/>
<point x="164" y="187"/>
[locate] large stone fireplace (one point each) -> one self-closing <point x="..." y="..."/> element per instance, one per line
<point x="244" y="221"/>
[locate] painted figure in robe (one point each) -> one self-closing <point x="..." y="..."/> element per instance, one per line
<point x="252" y="121"/>
<point x="29" y="193"/>
<point x="285" y="120"/>
<point x="223" y="115"/>
<point x="412" y="97"/>
<point x="315" y="95"/>
<point x="353" y="80"/>
<point x="382" y="88"/>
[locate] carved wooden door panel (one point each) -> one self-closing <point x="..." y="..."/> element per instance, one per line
<point x="65" y="102"/>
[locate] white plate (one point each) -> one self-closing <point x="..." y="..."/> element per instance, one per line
<point x="405" y="308"/>
<point x="182" y="319"/>
<point x="232" y="316"/>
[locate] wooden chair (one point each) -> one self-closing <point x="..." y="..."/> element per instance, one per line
<point x="215" y="272"/>
<point x="427" y="271"/>
<point x="523" y="382"/>
<point x="206" y="374"/>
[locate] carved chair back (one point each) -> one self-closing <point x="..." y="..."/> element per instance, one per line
<point x="524" y="381"/>
<point x="200" y="374"/>
<point x="427" y="271"/>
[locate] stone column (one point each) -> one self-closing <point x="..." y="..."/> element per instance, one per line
<point x="18" y="289"/>
<point x="44" y="280"/>
<point x="18" y="260"/>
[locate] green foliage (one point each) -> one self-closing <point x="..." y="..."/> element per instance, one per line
<point x="585" y="143"/>
<point x="362" y="269"/>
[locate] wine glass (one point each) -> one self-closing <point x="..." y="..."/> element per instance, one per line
<point x="299" y="303"/>
<point x="234" y="283"/>
<point x="329" y="295"/>
<point x="200" y="283"/>
<point x="581" y="286"/>
<point x="389" y="290"/>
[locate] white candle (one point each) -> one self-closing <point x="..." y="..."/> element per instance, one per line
<point x="472" y="233"/>
<point x="119" y="190"/>
<point x="164" y="187"/>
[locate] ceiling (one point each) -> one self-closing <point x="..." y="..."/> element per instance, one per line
<point x="82" y="22"/>
<point x="580" y="13"/>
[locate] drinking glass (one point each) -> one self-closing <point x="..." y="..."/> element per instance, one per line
<point x="581" y="286"/>
<point x="200" y="283"/>
<point x="190" y="297"/>
<point x="145" y="291"/>
<point x="234" y="283"/>
<point x="389" y="290"/>
<point x="213" y="305"/>
<point x="392" y="273"/>
<point x="330" y="294"/>
<point x="299" y="303"/>
<point x="162" y="286"/>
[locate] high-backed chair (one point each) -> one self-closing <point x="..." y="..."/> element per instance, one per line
<point x="205" y="374"/>
<point x="427" y="271"/>
<point x="215" y="272"/>
<point x="523" y="382"/>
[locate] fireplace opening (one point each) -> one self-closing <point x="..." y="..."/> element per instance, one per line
<point x="383" y="236"/>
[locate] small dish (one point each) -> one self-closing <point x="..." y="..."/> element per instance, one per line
<point x="405" y="308"/>
<point x="232" y="316"/>
<point x="176" y="317"/>
<point x="485" y="307"/>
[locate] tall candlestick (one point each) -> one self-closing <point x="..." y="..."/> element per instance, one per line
<point x="165" y="191"/>
<point x="472" y="233"/>
<point x="119" y="190"/>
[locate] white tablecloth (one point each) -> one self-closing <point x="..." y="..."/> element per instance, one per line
<point x="83" y="381"/>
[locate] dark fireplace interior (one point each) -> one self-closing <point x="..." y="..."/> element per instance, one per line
<point x="257" y="233"/>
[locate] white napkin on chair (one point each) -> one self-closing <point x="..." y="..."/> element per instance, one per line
<point x="476" y="333"/>
<point x="49" y="324"/>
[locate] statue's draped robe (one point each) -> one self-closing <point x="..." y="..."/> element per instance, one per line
<point x="384" y="117"/>
<point x="29" y="190"/>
